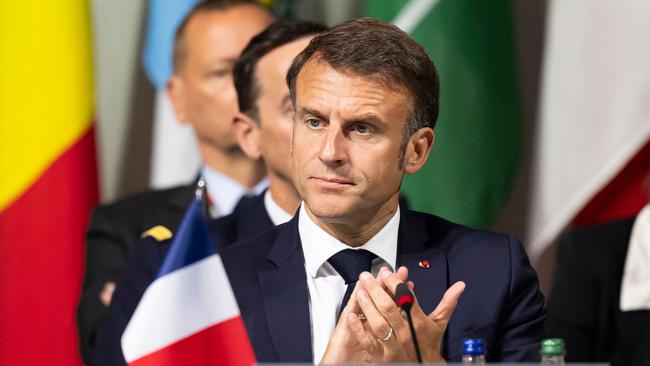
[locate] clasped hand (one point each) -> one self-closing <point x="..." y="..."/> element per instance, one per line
<point x="372" y="329"/>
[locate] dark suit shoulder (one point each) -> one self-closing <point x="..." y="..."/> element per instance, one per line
<point x="126" y="219"/>
<point x="147" y="201"/>
<point x="454" y="237"/>
<point x="600" y="247"/>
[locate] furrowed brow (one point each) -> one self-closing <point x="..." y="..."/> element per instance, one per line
<point x="369" y="118"/>
<point x="304" y="111"/>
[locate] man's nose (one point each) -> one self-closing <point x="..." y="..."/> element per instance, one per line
<point x="332" y="150"/>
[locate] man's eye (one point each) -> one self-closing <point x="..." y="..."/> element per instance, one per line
<point x="361" y="128"/>
<point x="220" y="73"/>
<point x="313" y="122"/>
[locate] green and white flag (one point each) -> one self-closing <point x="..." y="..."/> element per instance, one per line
<point x="479" y="133"/>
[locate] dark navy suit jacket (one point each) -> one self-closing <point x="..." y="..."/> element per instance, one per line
<point x="144" y="264"/>
<point x="501" y="303"/>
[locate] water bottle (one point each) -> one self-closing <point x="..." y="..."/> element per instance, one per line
<point x="473" y="352"/>
<point x="552" y="351"/>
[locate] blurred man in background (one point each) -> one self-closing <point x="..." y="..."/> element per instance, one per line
<point x="263" y="128"/>
<point x="206" y="47"/>
<point x="600" y="301"/>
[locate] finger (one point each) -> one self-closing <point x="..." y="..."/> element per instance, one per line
<point x="107" y="293"/>
<point x="378" y="325"/>
<point x="391" y="281"/>
<point x="380" y="309"/>
<point x="442" y="313"/>
<point x="380" y="298"/>
<point x="402" y="273"/>
<point x="411" y="285"/>
<point x="365" y="339"/>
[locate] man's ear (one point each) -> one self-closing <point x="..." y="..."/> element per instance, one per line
<point x="418" y="149"/>
<point x="247" y="134"/>
<point x="176" y="95"/>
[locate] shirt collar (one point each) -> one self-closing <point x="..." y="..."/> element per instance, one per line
<point x="318" y="246"/>
<point x="225" y="192"/>
<point x="276" y="213"/>
<point x="635" y="292"/>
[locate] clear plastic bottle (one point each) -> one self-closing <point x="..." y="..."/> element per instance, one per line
<point x="473" y="352"/>
<point x="552" y="351"/>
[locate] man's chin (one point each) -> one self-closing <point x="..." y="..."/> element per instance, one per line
<point x="328" y="211"/>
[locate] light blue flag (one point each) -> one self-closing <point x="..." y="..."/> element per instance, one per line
<point x="164" y="17"/>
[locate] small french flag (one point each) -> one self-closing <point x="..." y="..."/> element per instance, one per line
<point x="188" y="315"/>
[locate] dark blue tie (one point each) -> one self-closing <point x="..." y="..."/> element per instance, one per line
<point x="349" y="263"/>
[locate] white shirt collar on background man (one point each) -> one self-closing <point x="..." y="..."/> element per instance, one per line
<point x="635" y="285"/>
<point x="225" y="192"/>
<point x="276" y="213"/>
<point x="326" y="286"/>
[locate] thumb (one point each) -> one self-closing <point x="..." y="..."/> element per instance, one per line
<point x="443" y="312"/>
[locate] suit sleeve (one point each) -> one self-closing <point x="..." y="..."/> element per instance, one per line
<point x="522" y="324"/>
<point x="141" y="270"/>
<point x="106" y="255"/>
<point x="572" y="304"/>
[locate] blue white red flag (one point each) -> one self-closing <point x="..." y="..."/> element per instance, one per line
<point x="188" y="315"/>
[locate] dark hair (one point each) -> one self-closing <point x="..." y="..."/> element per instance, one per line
<point x="276" y="35"/>
<point x="384" y="53"/>
<point x="201" y="7"/>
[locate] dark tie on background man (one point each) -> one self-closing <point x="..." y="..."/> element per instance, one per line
<point x="349" y="263"/>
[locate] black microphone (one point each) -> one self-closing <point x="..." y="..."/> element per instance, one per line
<point x="404" y="299"/>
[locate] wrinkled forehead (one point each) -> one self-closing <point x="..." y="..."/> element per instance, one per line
<point x="325" y="92"/>
<point x="347" y="85"/>
<point x="316" y="67"/>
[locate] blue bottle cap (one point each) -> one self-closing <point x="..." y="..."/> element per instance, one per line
<point x="473" y="347"/>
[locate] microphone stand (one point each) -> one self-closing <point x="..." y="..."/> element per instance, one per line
<point x="404" y="299"/>
<point x="415" y="340"/>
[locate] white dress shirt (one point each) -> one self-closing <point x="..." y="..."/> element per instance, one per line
<point x="225" y="192"/>
<point x="635" y="285"/>
<point x="276" y="213"/>
<point x="326" y="286"/>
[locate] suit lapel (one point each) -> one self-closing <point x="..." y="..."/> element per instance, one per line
<point x="286" y="297"/>
<point x="420" y="252"/>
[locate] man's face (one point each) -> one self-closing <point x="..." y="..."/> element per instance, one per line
<point x="346" y="143"/>
<point x="275" y="112"/>
<point x="202" y="90"/>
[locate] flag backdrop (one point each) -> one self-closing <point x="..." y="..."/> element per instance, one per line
<point x="174" y="155"/>
<point x="593" y="137"/>
<point x="188" y="315"/>
<point x="48" y="180"/>
<point x="478" y="144"/>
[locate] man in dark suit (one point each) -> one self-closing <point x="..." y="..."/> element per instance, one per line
<point x="206" y="45"/>
<point x="263" y="130"/>
<point x="584" y="304"/>
<point x="365" y="97"/>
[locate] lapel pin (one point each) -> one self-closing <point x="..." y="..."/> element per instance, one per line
<point x="424" y="264"/>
